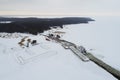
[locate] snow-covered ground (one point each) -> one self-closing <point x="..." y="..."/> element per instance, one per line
<point x="50" y="61"/>
<point x="101" y="35"/>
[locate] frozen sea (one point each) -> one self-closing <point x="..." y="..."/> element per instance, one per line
<point x="100" y="37"/>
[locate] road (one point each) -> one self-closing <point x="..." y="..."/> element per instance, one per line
<point x="88" y="57"/>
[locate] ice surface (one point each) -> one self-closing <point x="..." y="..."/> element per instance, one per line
<point x="59" y="64"/>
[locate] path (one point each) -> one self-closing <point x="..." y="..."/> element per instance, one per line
<point x="88" y="56"/>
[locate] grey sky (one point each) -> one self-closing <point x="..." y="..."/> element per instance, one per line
<point x="59" y="6"/>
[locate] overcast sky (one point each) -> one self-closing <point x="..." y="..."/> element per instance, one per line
<point x="61" y="7"/>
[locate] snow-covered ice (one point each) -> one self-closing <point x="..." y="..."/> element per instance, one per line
<point x="50" y="61"/>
